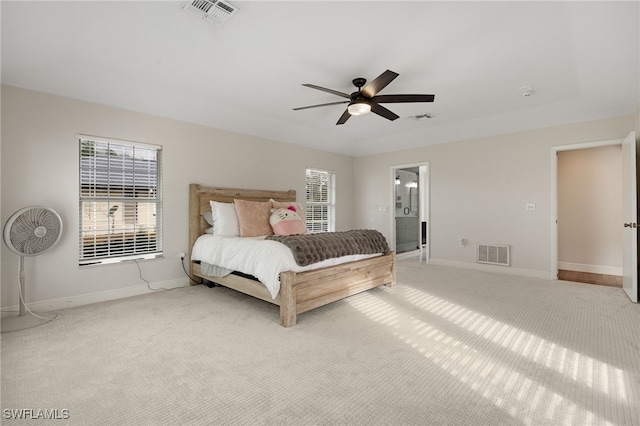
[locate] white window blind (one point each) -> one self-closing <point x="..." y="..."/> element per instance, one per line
<point x="120" y="200"/>
<point x="320" y="212"/>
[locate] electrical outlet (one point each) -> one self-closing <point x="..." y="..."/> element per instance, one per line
<point x="181" y="255"/>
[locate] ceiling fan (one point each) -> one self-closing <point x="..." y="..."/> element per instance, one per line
<point x="366" y="99"/>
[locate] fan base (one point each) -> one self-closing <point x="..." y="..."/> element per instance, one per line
<point x="17" y="323"/>
<point x="359" y="82"/>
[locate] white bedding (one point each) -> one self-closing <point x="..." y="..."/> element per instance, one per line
<point x="264" y="259"/>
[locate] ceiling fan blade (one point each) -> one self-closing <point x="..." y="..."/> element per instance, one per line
<point x="383" y="112"/>
<point x="379" y="83"/>
<point x="321" y="105"/>
<point x="324" y="89"/>
<point x="344" y="117"/>
<point x="402" y="98"/>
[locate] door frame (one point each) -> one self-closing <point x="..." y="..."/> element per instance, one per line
<point x="424" y="202"/>
<point x="554" y="192"/>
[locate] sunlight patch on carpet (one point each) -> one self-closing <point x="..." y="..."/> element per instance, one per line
<point x="526" y="396"/>
<point x="577" y="366"/>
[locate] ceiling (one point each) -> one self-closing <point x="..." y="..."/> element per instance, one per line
<point x="582" y="58"/>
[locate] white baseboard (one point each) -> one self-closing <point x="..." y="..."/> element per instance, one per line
<point x="594" y="269"/>
<point x="102" y="296"/>
<point x="120" y="293"/>
<point x="492" y="268"/>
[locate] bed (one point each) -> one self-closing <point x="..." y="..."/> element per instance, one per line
<point x="299" y="291"/>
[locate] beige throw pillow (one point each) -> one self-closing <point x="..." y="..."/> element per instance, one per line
<point x="253" y="217"/>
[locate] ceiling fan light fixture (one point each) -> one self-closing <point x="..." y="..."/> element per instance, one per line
<point x="359" y="108"/>
<point x="366" y="98"/>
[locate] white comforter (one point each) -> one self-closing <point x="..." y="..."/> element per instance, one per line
<point x="264" y="259"/>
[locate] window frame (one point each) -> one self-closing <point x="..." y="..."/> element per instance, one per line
<point x="138" y="235"/>
<point x="325" y="220"/>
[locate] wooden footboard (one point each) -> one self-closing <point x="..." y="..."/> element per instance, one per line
<point x="302" y="291"/>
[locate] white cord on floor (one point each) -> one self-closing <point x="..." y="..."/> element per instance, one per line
<point x="29" y="310"/>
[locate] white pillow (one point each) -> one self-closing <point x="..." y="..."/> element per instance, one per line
<point x="225" y="219"/>
<point x="208" y="216"/>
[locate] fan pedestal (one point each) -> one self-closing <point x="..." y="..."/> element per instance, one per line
<point x="17" y="323"/>
<point x="23" y="321"/>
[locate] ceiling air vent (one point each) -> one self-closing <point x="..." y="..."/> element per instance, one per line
<point x="214" y="11"/>
<point x="419" y="117"/>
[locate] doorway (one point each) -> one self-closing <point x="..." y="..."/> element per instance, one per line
<point x="410" y="210"/>
<point x="588" y="205"/>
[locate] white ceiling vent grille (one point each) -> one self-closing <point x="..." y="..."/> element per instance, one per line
<point x="493" y="254"/>
<point x="419" y="117"/>
<point x="214" y="11"/>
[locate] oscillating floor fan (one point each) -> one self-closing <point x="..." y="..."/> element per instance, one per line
<point x="30" y="232"/>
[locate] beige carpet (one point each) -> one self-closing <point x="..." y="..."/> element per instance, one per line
<point x="446" y="346"/>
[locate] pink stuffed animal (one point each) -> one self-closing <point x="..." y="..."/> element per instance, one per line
<point x="286" y="221"/>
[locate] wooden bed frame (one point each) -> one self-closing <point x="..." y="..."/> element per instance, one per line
<point x="299" y="292"/>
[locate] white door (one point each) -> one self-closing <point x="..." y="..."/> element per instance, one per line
<point x="630" y="217"/>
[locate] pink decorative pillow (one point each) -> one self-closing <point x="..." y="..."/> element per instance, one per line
<point x="253" y="217"/>
<point x="285" y="221"/>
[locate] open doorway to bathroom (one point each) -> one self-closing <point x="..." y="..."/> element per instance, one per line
<point x="410" y="209"/>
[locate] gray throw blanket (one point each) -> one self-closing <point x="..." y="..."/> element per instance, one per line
<point x="312" y="248"/>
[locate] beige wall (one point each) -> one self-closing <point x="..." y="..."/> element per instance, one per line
<point x="590" y="210"/>
<point x="40" y="166"/>
<point x="479" y="189"/>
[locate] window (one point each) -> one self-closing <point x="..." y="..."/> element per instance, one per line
<point x="321" y="204"/>
<point x="120" y="200"/>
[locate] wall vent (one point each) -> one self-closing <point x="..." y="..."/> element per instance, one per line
<point x="493" y="254"/>
<point x="215" y="11"/>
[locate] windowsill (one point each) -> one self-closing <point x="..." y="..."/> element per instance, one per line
<point x="120" y="260"/>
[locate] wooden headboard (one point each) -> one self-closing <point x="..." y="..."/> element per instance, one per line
<point x="200" y="195"/>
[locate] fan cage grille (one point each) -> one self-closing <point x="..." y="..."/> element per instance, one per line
<point x="33" y="230"/>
